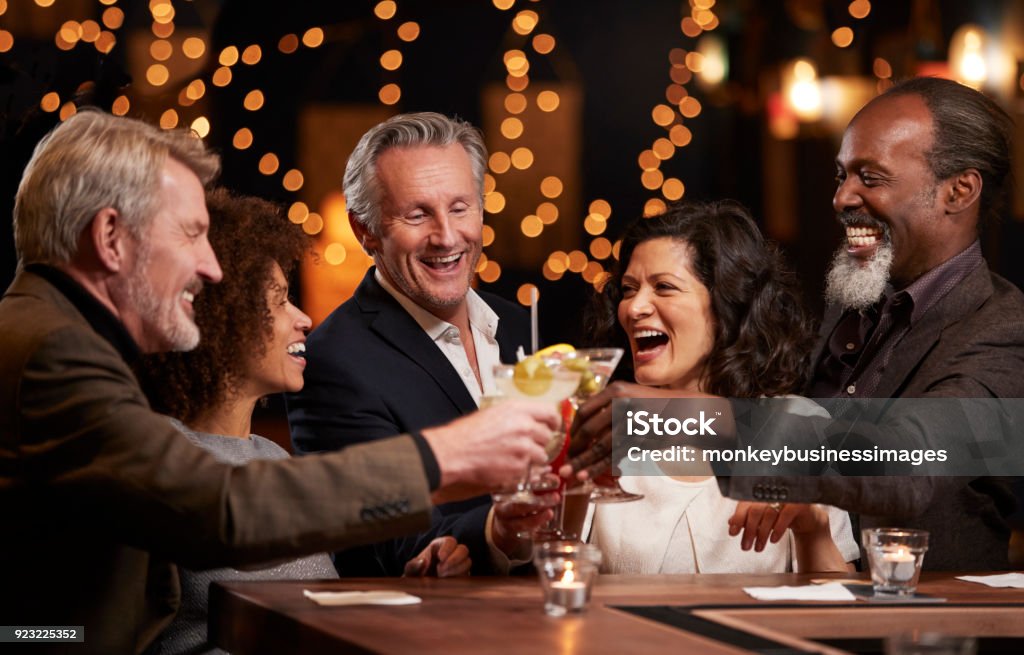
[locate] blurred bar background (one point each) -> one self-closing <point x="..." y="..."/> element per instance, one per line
<point x="595" y="112"/>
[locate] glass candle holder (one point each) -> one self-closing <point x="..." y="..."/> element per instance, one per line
<point x="894" y="557"/>
<point x="567" y="571"/>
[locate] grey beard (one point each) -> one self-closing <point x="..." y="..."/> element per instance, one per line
<point x="852" y="284"/>
<point x="178" y="332"/>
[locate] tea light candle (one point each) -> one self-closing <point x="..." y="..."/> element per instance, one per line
<point x="569" y="592"/>
<point x="901" y="564"/>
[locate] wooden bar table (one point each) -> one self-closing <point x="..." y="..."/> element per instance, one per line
<point x="710" y="614"/>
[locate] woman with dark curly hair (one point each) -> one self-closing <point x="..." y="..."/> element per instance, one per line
<point x="253" y="345"/>
<point x="705" y="305"/>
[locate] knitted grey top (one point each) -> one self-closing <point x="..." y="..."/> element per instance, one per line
<point x="187" y="633"/>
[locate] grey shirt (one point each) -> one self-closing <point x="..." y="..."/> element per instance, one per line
<point x="187" y="633"/>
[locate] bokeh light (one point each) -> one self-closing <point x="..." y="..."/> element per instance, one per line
<point x="253" y="100"/>
<point x="252" y="55"/>
<point x="385" y="10"/>
<point x="335" y="254"/>
<point x="515" y="103"/>
<point x="601" y="248"/>
<point x="313" y="37"/>
<point x="50" y="102"/>
<point x="409" y="31"/>
<point x="499" y="162"/>
<point x="551" y="187"/>
<point x="548" y="100"/>
<point x="269" y="164"/>
<point x="242" y="139"/>
<point x="842" y="37"/>
<point x="531" y="226"/>
<point x="543" y="43"/>
<point x="673" y="189"/>
<point x="228" y="56"/>
<point x="201" y="126"/>
<point x="522" y="158"/>
<point x="169" y="119"/>
<point x="494" y="202"/>
<point x="526" y="293"/>
<point x="293" y="180"/>
<point x="512" y="128"/>
<point x="602" y="208"/>
<point x="193" y="47"/>
<point x="391" y="60"/>
<point x="390" y="94"/>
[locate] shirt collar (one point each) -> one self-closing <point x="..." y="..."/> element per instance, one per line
<point x="928" y="289"/>
<point x="96" y="313"/>
<point x="481" y="316"/>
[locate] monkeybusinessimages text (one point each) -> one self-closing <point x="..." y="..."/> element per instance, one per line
<point x="647" y="424"/>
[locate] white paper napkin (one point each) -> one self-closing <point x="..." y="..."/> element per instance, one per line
<point x="1015" y="580"/>
<point x="337" y="598"/>
<point x="831" y="591"/>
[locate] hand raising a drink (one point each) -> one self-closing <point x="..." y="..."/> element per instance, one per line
<point x="491" y="448"/>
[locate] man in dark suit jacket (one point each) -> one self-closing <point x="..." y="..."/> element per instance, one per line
<point x="914" y="311"/>
<point x="100" y="494"/>
<point x="422" y="342"/>
<point x="391" y="377"/>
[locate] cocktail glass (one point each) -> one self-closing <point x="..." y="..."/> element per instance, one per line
<point x="596" y="366"/>
<point x="552" y="386"/>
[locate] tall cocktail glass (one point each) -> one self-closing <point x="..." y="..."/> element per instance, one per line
<point x="546" y="385"/>
<point x="596" y="366"/>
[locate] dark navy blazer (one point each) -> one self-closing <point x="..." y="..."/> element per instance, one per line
<point x="372" y="372"/>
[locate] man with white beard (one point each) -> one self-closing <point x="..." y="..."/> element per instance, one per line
<point x="914" y="310"/>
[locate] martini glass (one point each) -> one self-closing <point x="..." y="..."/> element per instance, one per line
<point x="552" y="386"/>
<point x="596" y="366"/>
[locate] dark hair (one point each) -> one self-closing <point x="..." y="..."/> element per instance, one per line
<point x="970" y="131"/>
<point x="762" y="334"/>
<point x="247" y="234"/>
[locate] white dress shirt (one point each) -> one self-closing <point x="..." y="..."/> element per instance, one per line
<point x="483" y="322"/>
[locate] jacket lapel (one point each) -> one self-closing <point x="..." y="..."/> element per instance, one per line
<point x="828" y="323"/>
<point x="974" y="290"/>
<point x="392" y="323"/>
<point x="508" y="341"/>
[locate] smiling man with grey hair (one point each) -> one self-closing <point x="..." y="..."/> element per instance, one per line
<point x="423" y="342"/>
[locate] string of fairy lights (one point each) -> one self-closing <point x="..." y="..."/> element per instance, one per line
<point x="672" y="114"/>
<point x="590" y="265"/>
<point x="842" y="37"/>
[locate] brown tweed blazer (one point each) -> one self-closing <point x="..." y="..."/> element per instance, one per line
<point x="969" y="345"/>
<point x="99" y="495"/>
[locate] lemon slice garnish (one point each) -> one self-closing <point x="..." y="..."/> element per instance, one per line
<point x="557" y="349"/>
<point x="578" y="364"/>
<point x="532" y="376"/>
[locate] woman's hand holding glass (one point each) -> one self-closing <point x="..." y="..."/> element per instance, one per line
<point x="590" y="448"/>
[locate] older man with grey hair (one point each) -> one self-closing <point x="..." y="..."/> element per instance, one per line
<point x="425" y="342"/>
<point x="99" y="493"/>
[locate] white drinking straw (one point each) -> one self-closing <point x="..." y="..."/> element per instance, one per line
<point x="534" y="337"/>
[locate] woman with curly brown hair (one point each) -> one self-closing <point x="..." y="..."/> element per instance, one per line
<point x="705" y="305"/>
<point x="253" y="345"/>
